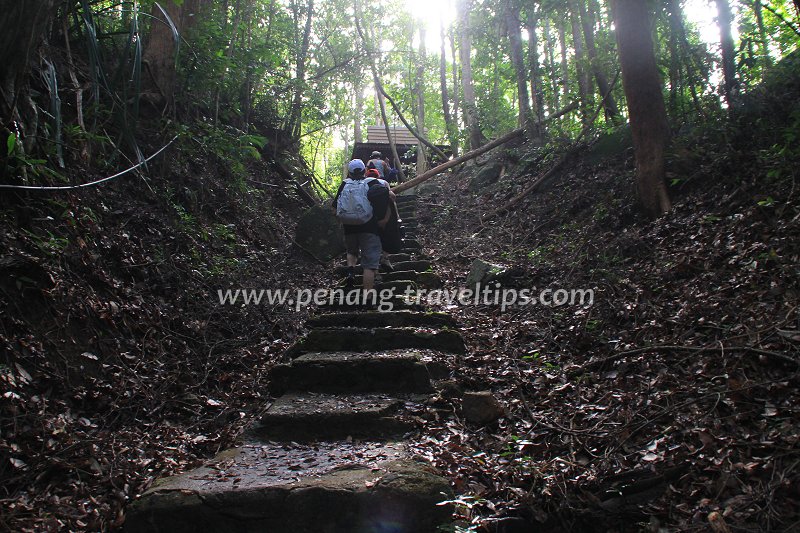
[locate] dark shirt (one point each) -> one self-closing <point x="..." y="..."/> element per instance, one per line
<point x="379" y="206"/>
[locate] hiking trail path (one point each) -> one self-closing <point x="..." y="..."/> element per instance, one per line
<point x="328" y="455"/>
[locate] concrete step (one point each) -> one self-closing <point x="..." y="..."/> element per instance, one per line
<point x="375" y="319"/>
<point x="294" y="488"/>
<point x="377" y="339"/>
<point x="399" y="286"/>
<point x="418" y="266"/>
<point x="395" y="303"/>
<point x="307" y="416"/>
<point x="427" y="280"/>
<point x="351" y="372"/>
<point x="403" y="199"/>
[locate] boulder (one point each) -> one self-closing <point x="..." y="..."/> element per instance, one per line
<point x="484" y="273"/>
<point x="487" y="175"/>
<point x="481" y="407"/>
<point x="320" y="233"/>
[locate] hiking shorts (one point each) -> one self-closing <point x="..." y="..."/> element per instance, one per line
<point x="370" y="246"/>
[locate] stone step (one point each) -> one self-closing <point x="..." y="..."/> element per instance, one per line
<point x="408" y="221"/>
<point x="400" y="371"/>
<point x="399" y="286"/>
<point x="373" y="319"/>
<point x="407" y="212"/>
<point x="405" y="199"/>
<point x="377" y="339"/>
<point x="417" y="266"/>
<point x="294" y="488"/>
<point x="427" y="280"/>
<point x="307" y="416"/>
<point x="395" y="303"/>
<point x="396" y="258"/>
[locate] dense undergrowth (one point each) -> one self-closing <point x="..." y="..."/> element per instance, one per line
<point x="671" y="403"/>
<point x="119" y="363"/>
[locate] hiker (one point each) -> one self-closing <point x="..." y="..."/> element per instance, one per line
<point x="391" y="240"/>
<point x="358" y="202"/>
<point x="379" y="163"/>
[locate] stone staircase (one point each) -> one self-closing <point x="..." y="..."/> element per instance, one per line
<point x="328" y="454"/>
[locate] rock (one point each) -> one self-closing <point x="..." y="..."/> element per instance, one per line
<point x="481" y="407"/>
<point x="320" y="233"/>
<point x="487" y="175"/>
<point x="484" y="273"/>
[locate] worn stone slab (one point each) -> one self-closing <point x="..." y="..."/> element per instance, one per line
<point x="308" y="416"/>
<point x="378" y="339"/>
<point x="391" y="371"/>
<point x="428" y="280"/>
<point x="417" y="266"/>
<point x="403" y="199"/>
<point x="294" y="488"/>
<point x="375" y="319"/>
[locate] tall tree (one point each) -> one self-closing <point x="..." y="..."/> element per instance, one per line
<point x="161" y="48"/>
<point x="580" y="62"/>
<point x="758" y="10"/>
<point x="448" y="119"/>
<point x="295" y="121"/>
<point x="422" y="163"/>
<point x="730" y="85"/>
<point x="587" y="22"/>
<point x="648" y="115"/>
<point x="470" y="106"/>
<point x="551" y="63"/>
<point x="562" y="44"/>
<point x="22" y="31"/>
<point x="511" y="13"/>
<point x="358" y="87"/>
<point x="537" y="94"/>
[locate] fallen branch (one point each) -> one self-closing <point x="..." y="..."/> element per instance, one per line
<point x="573" y="149"/>
<point x="463" y="159"/>
<point x="414" y="132"/>
<point x="539" y="181"/>
<point x="475" y="153"/>
<point x="596" y="365"/>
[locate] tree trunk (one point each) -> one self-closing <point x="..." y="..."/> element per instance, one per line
<point x="358" y="86"/>
<point x="448" y="119"/>
<point x="537" y="94"/>
<point x="422" y="161"/>
<point x="295" y="120"/>
<point x="562" y="43"/>
<point x="609" y="104"/>
<point x="456" y="84"/>
<point x="511" y="11"/>
<point x="379" y="89"/>
<point x="675" y="72"/>
<point x="476" y="137"/>
<point x="730" y="85"/>
<point x="762" y="34"/>
<point x="23" y="26"/>
<point x="648" y="115"/>
<point x="160" y="53"/>
<point x="580" y="63"/>
<point x="551" y="63"/>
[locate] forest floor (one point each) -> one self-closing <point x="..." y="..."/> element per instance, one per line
<point x="671" y="402"/>
<point x="120" y="364"/>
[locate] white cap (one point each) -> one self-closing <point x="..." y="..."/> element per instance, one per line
<point x="355" y="165"/>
